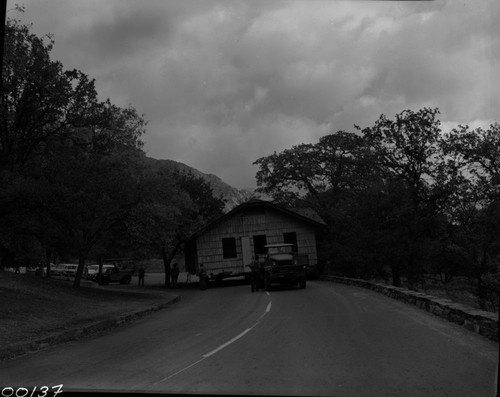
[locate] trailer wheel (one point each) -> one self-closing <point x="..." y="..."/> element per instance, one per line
<point x="302" y="282"/>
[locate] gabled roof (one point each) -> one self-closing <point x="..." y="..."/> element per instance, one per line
<point x="308" y="212"/>
<point x="256" y="203"/>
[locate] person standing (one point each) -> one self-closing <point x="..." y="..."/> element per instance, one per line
<point x="203" y="277"/>
<point x="142" y="273"/>
<point x="255" y="274"/>
<point x="174" y="274"/>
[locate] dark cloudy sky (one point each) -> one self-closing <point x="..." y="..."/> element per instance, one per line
<point x="223" y="83"/>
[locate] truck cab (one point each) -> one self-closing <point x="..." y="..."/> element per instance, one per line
<point x="284" y="266"/>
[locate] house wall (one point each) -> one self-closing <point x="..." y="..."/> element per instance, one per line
<point x="253" y="222"/>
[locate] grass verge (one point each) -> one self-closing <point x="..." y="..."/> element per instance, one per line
<point x="32" y="307"/>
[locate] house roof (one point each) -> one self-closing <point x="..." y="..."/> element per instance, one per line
<point x="304" y="214"/>
<point x="308" y="212"/>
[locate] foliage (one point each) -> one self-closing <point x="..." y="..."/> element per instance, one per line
<point x="69" y="163"/>
<point x="475" y="203"/>
<point x="334" y="164"/>
<point x="74" y="179"/>
<point x="40" y="99"/>
<point x="174" y="205"/>
<point x="491" y="283"/>
<point x="399" y="195"/>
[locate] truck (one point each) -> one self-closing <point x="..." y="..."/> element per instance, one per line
<point x="114" y="274"/>
<point x="284" y="266"/>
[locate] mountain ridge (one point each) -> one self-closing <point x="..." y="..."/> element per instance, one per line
<point x="232" y="195"/>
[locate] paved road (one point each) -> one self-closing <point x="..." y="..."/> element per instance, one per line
<point x="328" y="339"/>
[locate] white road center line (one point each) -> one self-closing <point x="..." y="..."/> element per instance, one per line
<point x="268" y="309"/>
<point x="228" y="343"/>
<point x="224" y="345"/>
<point x="182" y="370"/>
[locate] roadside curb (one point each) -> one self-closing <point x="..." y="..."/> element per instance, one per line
<point x="479" y="321"/>
<point x="80" y="332"/>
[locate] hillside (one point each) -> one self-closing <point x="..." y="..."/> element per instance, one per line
<point x="220" y="188"/>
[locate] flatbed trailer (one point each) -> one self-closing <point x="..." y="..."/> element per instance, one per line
<point x="217" y="273"/>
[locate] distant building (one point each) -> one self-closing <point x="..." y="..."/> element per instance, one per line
<point x="226" y="246"/>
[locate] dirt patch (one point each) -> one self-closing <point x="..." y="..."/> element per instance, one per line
<point x="31" y="307"/>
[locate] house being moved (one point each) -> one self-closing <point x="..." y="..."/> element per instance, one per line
<point x="226" y="246"/>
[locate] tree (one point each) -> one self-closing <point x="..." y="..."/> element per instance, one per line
<point x="94" y="177"/>
<point x="174" y="206"/>
<point x="39" y="99"/>
<point x="478" y="151"/>
<point x="474" y="210"/>
<point x="377" y="190"/>
<point x="69" y="160"/>
<point x="40" y="102"/>
<point x="315" y="172"/>
<point x="155" y="222"/>
<point x="333" y="177"/>
<point x="408" y="151"/>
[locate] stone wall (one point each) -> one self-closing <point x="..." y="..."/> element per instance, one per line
<point x="479" y="321"/>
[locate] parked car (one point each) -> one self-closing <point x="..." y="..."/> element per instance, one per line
<point x="43" y="268"/>
<point x="63" y="270"/>
<point x="31" y="269"/>
<point x="114" y="274"/>
<point x="93" y="271"/>
<point x="56" y="270"/>
<point x="67" y="269"/>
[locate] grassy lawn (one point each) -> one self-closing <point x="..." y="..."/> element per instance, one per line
<point x="31" y="307"/>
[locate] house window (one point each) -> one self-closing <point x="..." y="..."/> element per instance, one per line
<point x="291" y="238"/>
<point x="258" y="244"/>
<point x="229" y="248"/>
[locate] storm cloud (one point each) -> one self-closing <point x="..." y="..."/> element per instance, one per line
<point x="223" y="83"/>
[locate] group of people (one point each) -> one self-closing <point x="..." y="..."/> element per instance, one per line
<point x="174" y="275"/>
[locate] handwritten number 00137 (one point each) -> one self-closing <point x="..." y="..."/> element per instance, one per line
<point x="24" y="392"/>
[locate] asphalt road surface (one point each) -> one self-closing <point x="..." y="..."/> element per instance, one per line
<point x="327" y="339"/>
